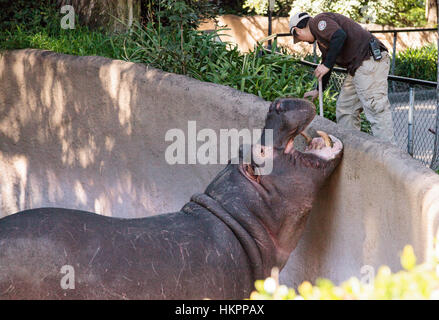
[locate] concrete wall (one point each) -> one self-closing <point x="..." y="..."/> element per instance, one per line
<point x="245" y="31"/>
<point x="89" y="133"/>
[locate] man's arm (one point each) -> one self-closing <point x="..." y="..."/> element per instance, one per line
<point x="335" y="45"/>
<point x="337" y="41"/>
<point x="325" y="79"/>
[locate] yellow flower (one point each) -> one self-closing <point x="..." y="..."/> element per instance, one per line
<point x="408" y="258"/>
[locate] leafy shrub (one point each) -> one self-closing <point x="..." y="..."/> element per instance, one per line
<point x="199" y="56"/>
<point x="419" y="63"/>
<point x="34" y="13"/>
<point x="388" y="12"/>
<point x="414" y="282"/>
<point x="166" y="12"/>
<point x="78" y="41"/>
<point x="235" y="7"/>
<point x="281" y="7"/>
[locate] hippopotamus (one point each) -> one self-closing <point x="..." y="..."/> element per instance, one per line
<point x="215" y="247"/>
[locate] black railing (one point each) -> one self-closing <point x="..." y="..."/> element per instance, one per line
<point x="404" y="30"/>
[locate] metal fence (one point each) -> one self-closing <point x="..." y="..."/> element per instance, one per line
<point x="414" y="110"/>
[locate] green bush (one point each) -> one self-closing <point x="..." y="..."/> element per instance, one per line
<point x="196" y="54"/>
<point x="419" y="63"/>
<point x="35" y="13"/>
<point x="79" y="41"/>
<point x="166" y="12"/>
<point x="399" y="13"/>
<point x="414" y="282"/>
<point x="281" y="7"/>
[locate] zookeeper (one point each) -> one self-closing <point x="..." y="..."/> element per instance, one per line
<point x="344" y="42"/>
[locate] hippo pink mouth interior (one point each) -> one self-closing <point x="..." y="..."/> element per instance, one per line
<point x="325" y="146"/>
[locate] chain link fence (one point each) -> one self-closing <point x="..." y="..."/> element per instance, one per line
<point x="415" y="114"/>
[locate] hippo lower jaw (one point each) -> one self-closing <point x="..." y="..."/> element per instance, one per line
<point x="321" y="148"/>
<point x="326" y="147"/>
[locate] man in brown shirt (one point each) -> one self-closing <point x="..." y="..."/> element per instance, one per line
<point x="344" y="42"/>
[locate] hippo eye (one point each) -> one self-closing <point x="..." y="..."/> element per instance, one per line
<point x="250" y="172"/>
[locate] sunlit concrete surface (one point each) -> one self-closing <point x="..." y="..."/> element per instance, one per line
<point x="89" y="133"/>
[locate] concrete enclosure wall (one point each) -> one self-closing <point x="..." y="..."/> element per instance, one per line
<point x="89" y="133"/>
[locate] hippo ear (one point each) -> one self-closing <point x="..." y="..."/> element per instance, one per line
<point x="274" y="104"/>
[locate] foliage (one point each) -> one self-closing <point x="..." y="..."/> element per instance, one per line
<point x="388" y="12"/>
<point x="281" y="7"/>
<point x="235" y="7"/>
<point x="400" y="13"/>
<point x="419" y="63"/>
<point x="35" y="13"/>
<point x="78" y="41"/>
<point x="414" y="282"/>
<point x="201" y="57"/>
<point x="167" y="12"/>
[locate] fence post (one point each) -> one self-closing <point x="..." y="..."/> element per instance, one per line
<point x="270" y="10"/>
<point x="435" y="160"/>
<point x="410" y="121"/>
<point x="395" y="34"/>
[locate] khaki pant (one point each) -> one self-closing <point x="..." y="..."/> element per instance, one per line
<point x="367" y="90"/>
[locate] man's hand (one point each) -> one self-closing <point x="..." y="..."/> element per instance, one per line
<point x="320" y="71"/>
<point x="313" y="94"/>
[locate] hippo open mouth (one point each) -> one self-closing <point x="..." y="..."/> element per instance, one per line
<point x="288" y="118"/>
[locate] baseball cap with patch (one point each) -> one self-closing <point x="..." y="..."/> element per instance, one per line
<point x="295" y="20"/>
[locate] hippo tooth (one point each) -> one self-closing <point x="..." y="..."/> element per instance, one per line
<point x="326" y="138"/>
<point x="289" y="146"/>
<point x="307" y="137"/>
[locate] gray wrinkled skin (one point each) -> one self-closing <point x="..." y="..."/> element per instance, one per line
<point x="215" y="247"/>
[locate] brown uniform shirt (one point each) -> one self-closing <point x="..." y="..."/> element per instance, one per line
<point x="356" y="46"/>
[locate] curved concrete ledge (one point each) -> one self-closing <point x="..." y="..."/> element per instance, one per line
<point x="89" y="133"/>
